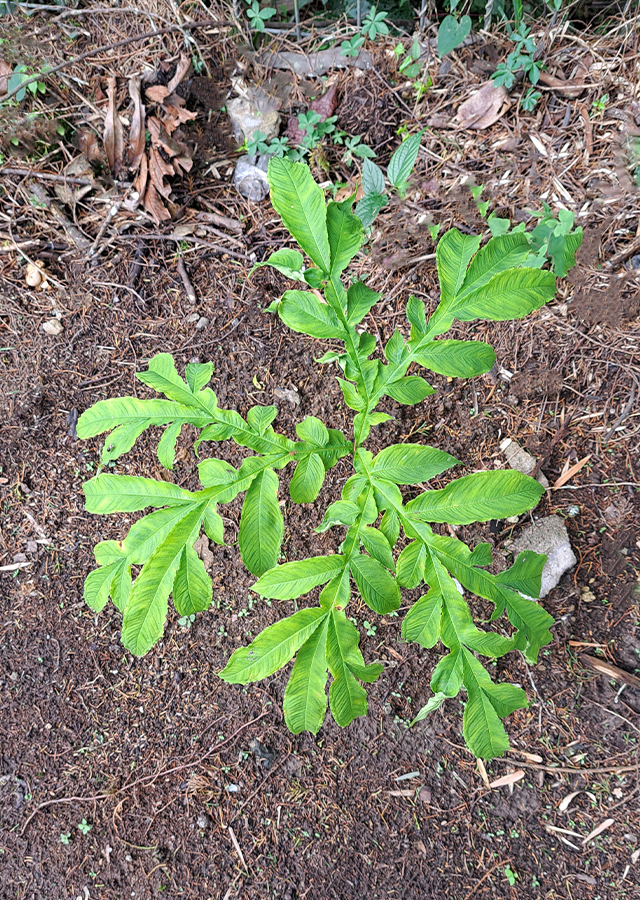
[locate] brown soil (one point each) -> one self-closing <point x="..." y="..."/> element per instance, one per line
<point x="144" y="778"/>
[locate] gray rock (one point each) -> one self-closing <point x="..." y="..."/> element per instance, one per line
<point x="251" y="180"/>
<point x="520" y="460"/>
<point x="548" y="536"/>
<point x="634" y="262"/>
<point x="202" y="323"/>
<point x="193" y="318"/>
<point x="252" y="114"/>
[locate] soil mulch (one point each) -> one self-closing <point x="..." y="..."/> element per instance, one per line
<point x="124" y="777"/>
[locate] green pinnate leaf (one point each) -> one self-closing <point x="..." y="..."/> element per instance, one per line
<point x="167" y="445"/>
<point x="478" y="498"/>
<point x="146" y="609"/>
<point x="307" y="479"/>
<point x="412" y="463"/>
<point x="377" y="546"/>
<point x="293" y="579"/>
<point x="198" y="375"/>
<point x="345" y="235"/>
<point x="303" y="312"/>
<point x="409" y="390"/>
<point x="273" y="648"/>
<point x="288" y="262"/>
<point x="108" y="493"/>
<point x="377" y="587"/>
<point x="97" y="585"/>
<point x="360" y="299"/>
<point x="410" y="568"/>
<point x="403" y="160"/>
<point x="261" y="524"/>
<point x="457" y="359"/>
<point x="423" y="621"/>
<point x="192" y="591"/>
<point x="305" y="699"/>
<point x="300" y="204"/>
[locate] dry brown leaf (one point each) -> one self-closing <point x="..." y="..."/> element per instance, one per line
<point x="158" y="169"/>
<point x="136" y="132"/>
<point x="183" y="162"/>
<point x="326" y="104"/>
<point x="507" y="779"/>
<point x="485" y="107"/>
<point x="157" y="93"/>
<point x="183" y="67"/>
<point x="5" y="72"/>
<point x="179" y="114"/>
<point x="570" y="89"/>
<point x="141" y="181"/>
<point x="154" y="205"/>
<point x="160" y="138"/>
<point x="113" y="136"/>
<point x="87" y="143"/>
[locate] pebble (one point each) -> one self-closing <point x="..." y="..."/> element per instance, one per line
<point x="202" y="323"/>
<point x="520" y="460"/>
<point x="193" y="318"/>
<point x="202" y="821"/>
<point x="53" y="327"/>
<point x="634" y="262"/>
<point x="548" y="536"/>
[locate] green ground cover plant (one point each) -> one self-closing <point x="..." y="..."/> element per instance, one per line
<point x="383" y="499"/>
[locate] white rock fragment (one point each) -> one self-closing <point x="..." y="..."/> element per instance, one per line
<point x="548" y="536"/>
<point x="520" y="460"/>
<point x="53" y="326"/>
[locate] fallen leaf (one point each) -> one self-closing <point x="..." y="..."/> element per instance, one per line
<point x="5" y="73"/>
<point x="596" y="831"/>
<point x="178" y="116"/>
<point x="182" y="162"/>
<point x="157" y="93"/>
<point x="507" y="779"/>
<point x="154" y="205"/>
<point x="485" y="107"/>
<point x="141" y="181"/>
<point x="181" y="70"/>
<point x="136" y="132"/>
<point x="400" y="793"/>
<point x="87" y="143"/>
<point x="201" y="547"/>
<point x="113" y="136"/>
<point x="347" y="191"/>
<point x="568" y="475"/>
<point x="325" y="106"/>
<point x="564" y="805"/>
<point x="158" y="169"/>
<point x="483" y="771"/>
<point x="569" y="88"/>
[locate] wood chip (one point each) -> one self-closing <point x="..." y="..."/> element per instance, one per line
<point x="605" y="668"/>
<point x="507" y="779"/>
<point x="596" y="831"/>
<point x="564" y="805"/>
<point x="568" y="475"/>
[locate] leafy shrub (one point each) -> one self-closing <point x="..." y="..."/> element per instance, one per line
<point x="476" y="283"/>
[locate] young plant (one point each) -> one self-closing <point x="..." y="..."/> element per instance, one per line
<point x="554" y="239"/>
<point x="521" y="58"/>
<point x="452" y="32"/>
<point x="476" y="283"/>
<point x="398" y="171"/>
<point x="353" y="147"/>
<point x="374" y="25"/>
<point x="258" y="16"/>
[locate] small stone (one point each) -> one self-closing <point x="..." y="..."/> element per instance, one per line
<point x="548" y="536"/>
<point x="634" y="262"/>
<point x="202" y="821"/>
<point x="250" y="180"/>
<point x="19" y="557"/>
<point x="202" y="323"/>
<point x="285" y="394"/>
<point x="32" y="547"/>
<point x="53" y="327"/>
<point x="193" y="318"/>
<point x="252" y="114"/>
<point x="520" y="460"/>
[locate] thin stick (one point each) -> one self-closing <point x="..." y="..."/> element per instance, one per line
<point x="182" y="272"/>
<point x="46" y="176"/>
<point x="203" y="23"/>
